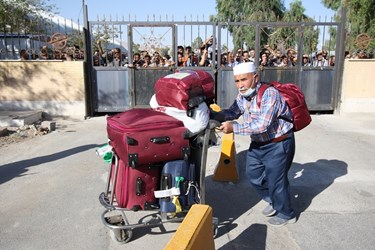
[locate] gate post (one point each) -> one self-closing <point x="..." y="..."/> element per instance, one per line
<point x="87" y="65"/>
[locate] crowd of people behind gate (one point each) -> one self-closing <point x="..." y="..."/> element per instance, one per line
<point x="203" y="57"/>
<point x="269" y="57"/>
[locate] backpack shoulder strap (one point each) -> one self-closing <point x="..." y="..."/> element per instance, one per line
<point x="261" y="90"/>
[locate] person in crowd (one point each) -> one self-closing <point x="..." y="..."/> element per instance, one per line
<point x="67" y="57"/>
<point x="284" y="61"/>
<point x="180" y="60"/>
<point x="320" y="61"/>
<point x="24" y="55"/>
<point x="155" y="61"/>
<point x="361" y="54"/>
<point x="223" y="59"/>
<point x="180" y="49"/>
<point x="272" y="146"/>
<point x="306" y="61"/>
<point x="44" y="55"/>
<point x="97" y="59"/>
<point x="277" y="57"/>
<point x="169" y="61"/>
<point x="239" y="57"/>
<point x="347" y="54"/>
<point x="204" y="61"/>
<point x="116" y="58"/>
<point x="332" y="59"/>
<point x="246" y="56"/>
<point x="264" y="61"/>
<point x="187" y="56"/>
<point x="231" y="60"/>
<point x="143" y="54"/>
<point x="193" y="60"/>
<point x="147" y="62"/>
<point x="292" y="57"/>
<point x="252" y="55"/>
<point x="137" y="61"/>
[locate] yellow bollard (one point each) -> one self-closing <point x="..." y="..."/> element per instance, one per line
<point x="226" y="168"/>
<point x="195" y="231"/>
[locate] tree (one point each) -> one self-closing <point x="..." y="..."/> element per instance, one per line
<point x="247" y="11"/>
<point x="360" y="19"/>
<point x="196" y="43"/>
<point x="290" y="35"/>
<point x="15" y="15"/>
<point x="266" y="11"/>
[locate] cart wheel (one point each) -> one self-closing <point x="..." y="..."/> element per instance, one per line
<point x="121" y="236"/>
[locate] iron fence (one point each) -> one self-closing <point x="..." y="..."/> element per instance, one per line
<point x="44" y="39"/>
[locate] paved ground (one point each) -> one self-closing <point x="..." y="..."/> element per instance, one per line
<point x="49" y="189"/>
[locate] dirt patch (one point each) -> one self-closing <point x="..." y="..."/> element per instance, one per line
<point x="11" y="135"/>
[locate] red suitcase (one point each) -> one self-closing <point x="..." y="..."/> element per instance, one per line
<point x="144" y="136"/>
<point x="134" y="187"/>
<point x="185" y="89"/>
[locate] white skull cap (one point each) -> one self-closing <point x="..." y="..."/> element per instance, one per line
<point x="243" y="68"/>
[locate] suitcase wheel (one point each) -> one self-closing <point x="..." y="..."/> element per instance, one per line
<point x="121" y="236"/>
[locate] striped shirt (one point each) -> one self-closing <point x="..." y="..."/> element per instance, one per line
<point x="262" y="124"/>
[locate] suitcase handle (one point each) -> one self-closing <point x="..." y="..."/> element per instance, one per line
<point x="138" y="186"/>
<point x="160" y="140"/>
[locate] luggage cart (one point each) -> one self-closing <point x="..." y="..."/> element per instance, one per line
<point x="115" y="219"/>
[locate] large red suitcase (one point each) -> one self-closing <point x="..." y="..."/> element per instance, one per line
<point x="185" y="89"/>
<point x="144" y="136"/>
<point x="134" y="187"/>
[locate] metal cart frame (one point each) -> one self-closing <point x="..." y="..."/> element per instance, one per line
<point x="121" y="228"/>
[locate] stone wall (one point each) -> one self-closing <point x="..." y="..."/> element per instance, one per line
<point x="55" y="87"/>
<point x="358" y="89"/>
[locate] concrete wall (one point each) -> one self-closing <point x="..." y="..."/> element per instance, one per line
<point x="358" y="89"/>
<point x="55" y="87"/>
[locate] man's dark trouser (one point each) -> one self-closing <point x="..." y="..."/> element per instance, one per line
<point x="267" y="167"/>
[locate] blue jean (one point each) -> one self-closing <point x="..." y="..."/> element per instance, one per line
<point x="267" y="168"/>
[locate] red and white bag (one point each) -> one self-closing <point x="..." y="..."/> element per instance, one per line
<point x="195" y="124"/>
<point x="185" y="89"/>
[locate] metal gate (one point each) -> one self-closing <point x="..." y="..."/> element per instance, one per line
<point x="118" y="88"/>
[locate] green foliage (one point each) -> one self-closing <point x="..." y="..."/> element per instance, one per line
<point x="163" y="51"/>
<point x="196" y="43"/>
<point x="75" y="39"/>
<point x="290" y="35"/>
<point x="247" y="11"/>
<point x="103" y="35"/>
<point x="15" y="15"/>
<point x="360" y="19"/>
<point x="136" y="48"/>
<point x="266" y="11"/>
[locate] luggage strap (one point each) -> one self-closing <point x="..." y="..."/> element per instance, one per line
<point x="192" y="184"/>
<point x="167" y="193"/>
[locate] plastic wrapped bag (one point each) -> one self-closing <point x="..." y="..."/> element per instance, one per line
<point x="195" y="124"/>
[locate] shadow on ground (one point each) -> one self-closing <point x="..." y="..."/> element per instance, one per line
<point x="20" y="168"/>
<point x="230" y="201"/>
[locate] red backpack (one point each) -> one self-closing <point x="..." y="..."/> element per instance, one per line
<point x="295" y="100"/>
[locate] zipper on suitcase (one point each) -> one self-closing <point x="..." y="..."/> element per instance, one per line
<point x="160" y="125"/>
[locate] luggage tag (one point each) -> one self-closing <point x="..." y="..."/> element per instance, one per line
<point x="105" y="152"/>
<point x="177" y="204"/>
<point x="167" y="193"/>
